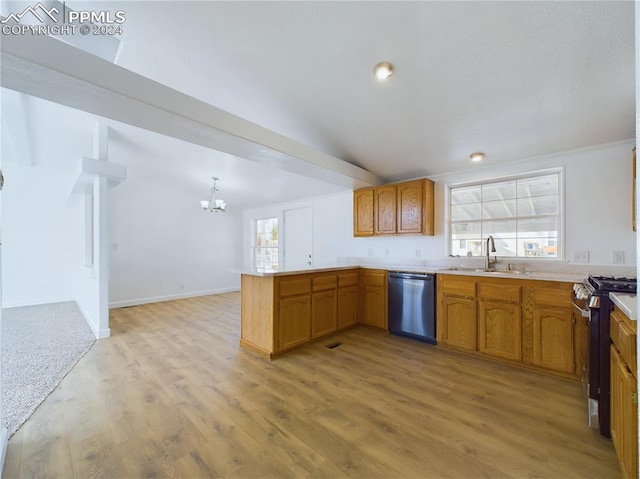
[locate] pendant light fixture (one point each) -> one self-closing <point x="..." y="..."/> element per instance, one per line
<point x="214" y="205"/>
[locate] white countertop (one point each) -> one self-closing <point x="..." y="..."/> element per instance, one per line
<point x="627" y="304"/>
<point x="534" y="275"/>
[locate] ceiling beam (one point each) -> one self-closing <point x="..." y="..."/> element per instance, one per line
<point x="47" y="68"/>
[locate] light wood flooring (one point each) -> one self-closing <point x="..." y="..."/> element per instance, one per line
<point x="171" y="394"/>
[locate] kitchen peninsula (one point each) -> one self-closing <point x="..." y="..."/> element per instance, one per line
<point x="287" y="309"/>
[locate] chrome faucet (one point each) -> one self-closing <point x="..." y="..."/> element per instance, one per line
<point x="488" y="261"/>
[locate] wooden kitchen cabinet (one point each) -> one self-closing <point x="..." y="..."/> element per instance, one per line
<point x="552" y="332"/>
<point x="294" y="321"/>
<point x="373" y="310"/>
<point x="347" y="299"/>
<point x="324" y="299"/>
<point x="281" y="313"/>
<point x="457" y="318"/>
<point x="384" y="210"/>
<point x="524" y="322"/>
<point x="499" y="320"/>
<point x="363" y="212"/>
<point x="499" y="329"/>
<point x="624" y="396"/>
<point x="553" y="339"/>
<point x="400" y="208"/>
<point x="415" y="207"/>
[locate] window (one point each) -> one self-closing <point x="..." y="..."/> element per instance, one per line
<point x="266" y="249"/>
<point x="523" y="214"/>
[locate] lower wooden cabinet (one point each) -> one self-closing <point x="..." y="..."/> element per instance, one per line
<point x="323" y="313"/>
<point x="373" y="310"/>
<point x="553" y="335"/>
<point x="281" y="313"/>
<point x="347" y="306"/>
<point x="499" y="329"/>
<point x="457" y="323"/>
<point x="524" y="322"/>
<point x="294" y="321"/>
<point x="624" y="394"/>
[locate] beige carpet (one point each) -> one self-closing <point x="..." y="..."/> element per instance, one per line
<point x="40" y="345"/>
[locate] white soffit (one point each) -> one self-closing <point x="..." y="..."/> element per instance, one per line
<point x="47" y="68"/>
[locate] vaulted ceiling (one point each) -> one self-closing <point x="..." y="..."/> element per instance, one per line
<point x="513" y="79"/>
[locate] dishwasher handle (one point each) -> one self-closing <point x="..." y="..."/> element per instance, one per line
<point x="402" y="275"/>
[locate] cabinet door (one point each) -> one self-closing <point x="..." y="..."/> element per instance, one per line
<point x="616" y="409"/>
<point x="374" y="306"/>
<point x="499" y="330"/>
<point x="347" y="306"/>
<point x="629" y="422"/>
<point x="410" y="207"/>
<point x="553" y="339"/>
<point x="294" y="321"/>
<point x="384" y="207"/>
<point x="323" y="313"/>
<point x="457" y="325"/>
<point x="363" y="212"/>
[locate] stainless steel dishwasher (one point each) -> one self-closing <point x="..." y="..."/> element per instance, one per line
<point x="412" y="305"/>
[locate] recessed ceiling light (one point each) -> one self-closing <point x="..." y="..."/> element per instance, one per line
<point x="478" y="156"/>
<point x="383" y="70"/>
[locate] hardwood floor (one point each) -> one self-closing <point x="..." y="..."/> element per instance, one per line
<point x="171" y="394"/>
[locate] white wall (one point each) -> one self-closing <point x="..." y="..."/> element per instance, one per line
<point x="597" y="202"/>
<point x="163" y="245"/>
<point x="37" y="228"/>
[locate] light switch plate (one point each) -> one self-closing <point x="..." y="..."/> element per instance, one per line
<point x="580" y="256"/>
<point x="617" y="257"/>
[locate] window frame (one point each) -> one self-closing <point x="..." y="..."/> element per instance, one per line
<point x="256" y="247"/>
<point x="518" y="176"/>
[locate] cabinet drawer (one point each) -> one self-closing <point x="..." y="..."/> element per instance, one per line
<point x="499" y="292"/>
<point x="321" y="283"/>
<point x="624" y="338"/>
<point x="374" y="278"/>
<point x="290" y="287"/>
<point x="348" y="279"/>
<point x="553" y="297"/>
<point x="458" y="287"/>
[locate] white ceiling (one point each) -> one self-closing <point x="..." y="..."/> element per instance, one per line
<point x="512" y="79"/>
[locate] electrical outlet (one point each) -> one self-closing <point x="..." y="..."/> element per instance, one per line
<point x="181" y="286"/>
<point x="580" y="256"/>
<point x="617" y="257"/>
<point x="386" y="252"/>
<point x="370" y="252"/>
<point x="418" y="253"/>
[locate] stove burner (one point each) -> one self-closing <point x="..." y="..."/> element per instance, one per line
<point x="610" y="283"/>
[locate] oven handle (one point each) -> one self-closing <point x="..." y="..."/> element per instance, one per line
<point x="583" y="313"/>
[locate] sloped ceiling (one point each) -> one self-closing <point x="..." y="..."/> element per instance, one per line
<point x="513" y="79"/>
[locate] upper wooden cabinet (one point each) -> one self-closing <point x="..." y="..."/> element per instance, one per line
<point x="384" y="210"/>
<point x="400" y="208"/>
<point x="363" y="212"/>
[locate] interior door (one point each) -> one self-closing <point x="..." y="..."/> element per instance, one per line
<point x="297" y="238"/>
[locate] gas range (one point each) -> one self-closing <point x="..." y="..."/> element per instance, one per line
<point x="610" y="284"/>
<point x="591" y="298"/>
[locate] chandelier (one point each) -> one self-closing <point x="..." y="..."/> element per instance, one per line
<point x="214" y="205"/>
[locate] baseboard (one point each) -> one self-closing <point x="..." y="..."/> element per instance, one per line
<point x="4" y="442"/>
<point x="37" y="302"/>
<point x="170" y="297"/>
<point x="104" y="333"/>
